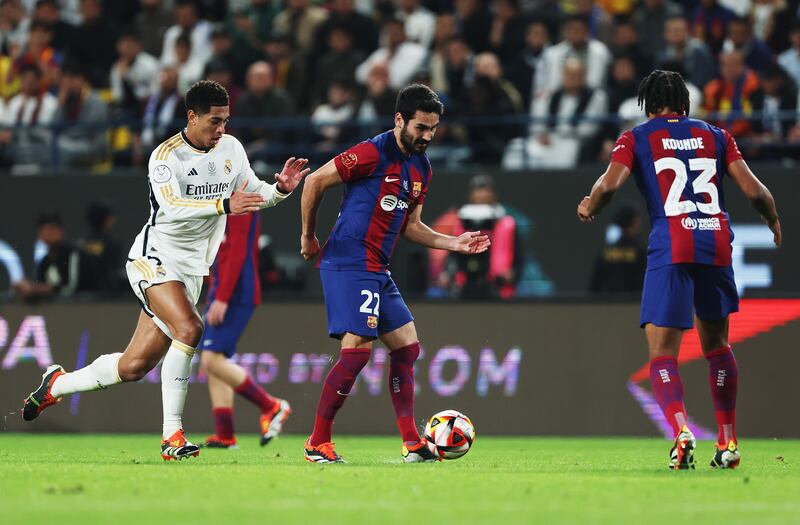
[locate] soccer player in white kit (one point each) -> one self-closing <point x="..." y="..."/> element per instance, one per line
<point x="196" y="178"/>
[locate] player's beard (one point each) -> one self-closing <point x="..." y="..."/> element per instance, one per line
<point x="412" y="146"/>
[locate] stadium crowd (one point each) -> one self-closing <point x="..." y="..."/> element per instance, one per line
<point x="526" y="83"/>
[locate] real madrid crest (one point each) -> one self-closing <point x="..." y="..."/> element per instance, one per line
<point x="228" y="166"/>
<point x="212" y="168"/>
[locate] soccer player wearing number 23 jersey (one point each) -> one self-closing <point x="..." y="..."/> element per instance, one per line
<point x="386" y="179"/>
<point x="679" y="165"/>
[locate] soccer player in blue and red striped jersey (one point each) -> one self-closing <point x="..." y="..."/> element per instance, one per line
<point x="386" y="180"/>
<point x="679" y="165"/>
<point x="233" y="296"/>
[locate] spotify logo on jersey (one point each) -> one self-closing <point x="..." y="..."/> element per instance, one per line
<point x="389" y="202"/>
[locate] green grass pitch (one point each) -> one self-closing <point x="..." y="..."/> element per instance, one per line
<point x="121" y="479"/>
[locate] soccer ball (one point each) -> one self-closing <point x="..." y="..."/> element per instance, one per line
<point x="452" y="432"/>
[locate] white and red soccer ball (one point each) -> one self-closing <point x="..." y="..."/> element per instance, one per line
<point x="452" y="432"/>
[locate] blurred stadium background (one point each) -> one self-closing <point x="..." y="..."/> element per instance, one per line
<point x="536" y="91"/>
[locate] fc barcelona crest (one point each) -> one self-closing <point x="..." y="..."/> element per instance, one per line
<point x="228" y="166"/>
<point x="372" y="321"/>
<point x="417" y="189"/>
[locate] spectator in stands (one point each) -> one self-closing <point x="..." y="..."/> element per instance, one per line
<point x="778" y="117"/>
<point x="692" y="53"/>
<point x="577" y="44"/>
<point x="626" y="42"/>
<point x="507" y="35"/>
<point x="493" y="273"/>
<point x="58" y="272"/>
<point x="132" y="75"/>
<point x="623" y="85"/>
<point x="48" y="13"/>
<point x="31" y="107"/>
<point x="565" y="127"/>
<point x="361" y="27"/>
<point x="102" y="260"/>
<point x="151" y="24"/>
<point x="709" y="22"/>
<point x="163" y="113"/>
<point x="527" y="63"/>
<point x="337" y="64"/>
<point x="300" y="21"/>
<point x="248" y="29"/>
<point x="491" y="95"/>
<point x="82" y="114"/>
<point x="790" y="59"/>
<point x="740" y="37"/>
<point x="601" y="23"/>
<point x="187" y="21"/>
<point x="402" y="57"/>
<point x="291" y="70"/>
<point x="620" y="265"/>
<point x="445" y="32"/>
<point x="763" y="16"/>
<point x="40" y="53"/>
<point x="474" y="23"/>
<point x="93" y="43"/>
<point x="734" y="95"/>
<point x="14" y="27"/>
<point x="222" y="51"/>
<point x="649" y="20"/>
<point x="262" y="100"/>
<point x="784" y="18"/>
<point x="190" y="69"/>
<point x="419" y="22"/>
<point x="379" y="99"/>
<point x="332" y="118"/>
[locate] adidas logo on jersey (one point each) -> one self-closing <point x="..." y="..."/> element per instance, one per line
<point x="683" y="144"/>
<point x="192" y="173"/>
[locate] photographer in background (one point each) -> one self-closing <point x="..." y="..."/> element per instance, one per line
<point x="620" y="265"/>
<point x="493" y="273"/>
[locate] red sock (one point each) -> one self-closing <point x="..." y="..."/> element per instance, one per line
<point x="252" y="392"/>
<point x="401" y="389"/>
<point x="223" y="422"/>
<point x="337" y="385"/>
<point x="723" y="378"/>
<point x="668" y="390"/>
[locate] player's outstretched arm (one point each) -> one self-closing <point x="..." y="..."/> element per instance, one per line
<point x="314" y="188"/>
<point x="420" y="233"/>
<point x="758" y="194"/>
<point x="285" y="182"/>
<point x="167" y="192"/>
<point x="603" y="190"/>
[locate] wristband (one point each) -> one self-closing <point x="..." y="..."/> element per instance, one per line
<point x="226" y="206"/>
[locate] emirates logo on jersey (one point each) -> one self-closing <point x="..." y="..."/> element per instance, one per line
<point x="348" y="159"/>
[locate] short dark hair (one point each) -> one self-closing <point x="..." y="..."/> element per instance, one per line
<point x="49" y="218"/>
<point x="664" y="89"/>
<point x="30" y="68"/>
<point x="417" y="97"/>
<point x="204" y="94"/>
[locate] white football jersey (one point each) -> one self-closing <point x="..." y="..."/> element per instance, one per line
<point x="187" y="190"/>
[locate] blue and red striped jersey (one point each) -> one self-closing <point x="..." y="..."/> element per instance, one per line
<point x="234" y="274"/>
<point x="382" y="188"/>
<point x="679" y="164"/>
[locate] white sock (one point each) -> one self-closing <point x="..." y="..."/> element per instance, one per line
<point x="102" y="373"/>
<point x="175" y="372"/>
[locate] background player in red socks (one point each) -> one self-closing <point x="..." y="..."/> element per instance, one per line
<point x="192" y="177"/>
<point x="679" y="165"/>
<point x="233" y="296"/>
<point x="386" y="180"/>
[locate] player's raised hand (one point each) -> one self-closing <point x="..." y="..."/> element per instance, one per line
<point x="309" y="247"/>
<point x="291" y="174"/>
<point x="472" y="242"/>
<point x="583" y="211"/>
<point x="243" y="202"/>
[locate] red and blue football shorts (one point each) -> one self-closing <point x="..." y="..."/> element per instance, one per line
<point x="672" y="292"/>
<point x="224" y="337"/>
<point x="362" y="303"/>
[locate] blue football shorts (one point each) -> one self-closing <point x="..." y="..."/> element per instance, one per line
<point x="672" y="293"/>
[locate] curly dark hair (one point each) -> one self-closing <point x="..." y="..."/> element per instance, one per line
<point x="664" y="89"/>
<point x="204" y="94"/>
